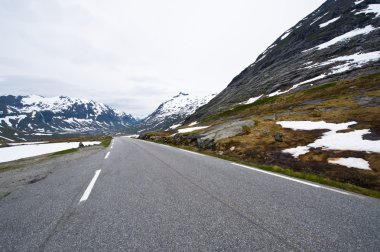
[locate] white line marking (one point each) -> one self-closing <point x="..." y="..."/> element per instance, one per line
<point x="338" y="191"/>
<point x="277" y="175"/>
<point x="111" y="146"/>
<point x="172" y="147"/>
<point x="90" y="186"/>
<point x="292" y="179"/>
<point x="108" y="153"/>
<point x="195" y="153"/>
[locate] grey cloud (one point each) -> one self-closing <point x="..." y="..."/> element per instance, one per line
<point x="133" y="57"/>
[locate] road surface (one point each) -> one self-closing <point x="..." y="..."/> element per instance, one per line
<point x="138" y="195"/>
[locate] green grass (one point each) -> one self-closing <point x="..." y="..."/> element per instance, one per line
<point x="265" y="100"/>
<point x="306" y="176"/>
<point x="291" y="173"/>
<point x="106" y="142"/>
<point x="371" y="76"/>
<point x="320" y="87"/>
<point x="65" y="152"/>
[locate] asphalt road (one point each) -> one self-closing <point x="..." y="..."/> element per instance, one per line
<point x="142" y="196"/>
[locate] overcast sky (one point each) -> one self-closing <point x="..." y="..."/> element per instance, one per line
<point x="133" y="55"/>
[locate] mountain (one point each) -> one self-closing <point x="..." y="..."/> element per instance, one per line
<point x="339" y="40"/>
<point x="172" y="112"/>
<point x="33" y="116"/>
<point x="309" y="104"/>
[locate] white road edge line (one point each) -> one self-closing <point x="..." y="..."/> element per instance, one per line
<point x="292" y="179"/>
<point x="195" y="153"/>
<point x="267" y="172"/>
<point x="168" y="146"/>
<point x="108" y="153"/>
<point x="90" y="186"/>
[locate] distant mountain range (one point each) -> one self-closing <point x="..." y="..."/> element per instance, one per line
<point x="173" y="112"/>
<point x="339" y="40"/>
<point x="33" y="116"/>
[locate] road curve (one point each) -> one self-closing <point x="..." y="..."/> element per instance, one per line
<point x="138" y="195"/>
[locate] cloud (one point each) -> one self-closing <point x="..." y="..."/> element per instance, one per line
<point x="135" y="54"/>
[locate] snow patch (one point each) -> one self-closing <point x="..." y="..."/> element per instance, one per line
<point x="249" y="101"/>
<point x="191" y="129"/>
<point x="353" y="61"/>
<point x="286" y="34"/>
<point x="372" y="8"/>
<point x="351" y="162"/>
<point x="180" y="105"/>
<point x="358" y="2"/>
<point x="41" y="134"/>
<point x="332" y="140"/>
<point x="318" y="18"/>
<point x="24" y="151"/>
<point x="175" y="126"/>
<point x="193" y="123"/>
<point x="297" y="151"/>
<point x="328" y="22"/>
<point x="8" y="139"/>
<point x="264" y="54"/>
<point x="310" y="125"/>
<point x="345" y="37"/>
<point x="26" y="143"/>
<point x="278" y="92"/>
<point x="16" y="118"/>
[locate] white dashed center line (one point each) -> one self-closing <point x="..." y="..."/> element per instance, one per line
<point x="90" y="186"/>
<point x="108" y="153"/>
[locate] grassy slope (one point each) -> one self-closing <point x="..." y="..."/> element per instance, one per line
<point x="333" y="102"/>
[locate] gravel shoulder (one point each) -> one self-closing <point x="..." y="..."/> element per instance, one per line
<point x="18" y="173"/>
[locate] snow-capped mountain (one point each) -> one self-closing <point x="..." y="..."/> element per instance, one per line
<point x="172" y="112"/>
<point x="339" y="40"/>
<point x="25" y="117"/>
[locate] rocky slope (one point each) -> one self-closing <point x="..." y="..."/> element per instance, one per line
<point x="330" y="131"/>
<point x="339" y="40"/>
<point x="30" y="117"/>
<point x="171" y="113"/>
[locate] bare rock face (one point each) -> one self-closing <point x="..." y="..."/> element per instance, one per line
<point x="339" y="40"/>
<point x="218" y="132"/>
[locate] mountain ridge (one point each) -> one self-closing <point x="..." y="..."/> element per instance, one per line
<point x="173" y="111"/>
<point x="338" y="40"/>
<point x="25" y="117"/>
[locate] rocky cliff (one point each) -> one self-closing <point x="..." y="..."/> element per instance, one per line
<point x="339" y="40"/>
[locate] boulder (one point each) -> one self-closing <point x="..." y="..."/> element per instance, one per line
<point x="278" y="137"/>
<point x="157" y="138"/>
<point x="270" y="117"/>
<point x="207" y="139"/>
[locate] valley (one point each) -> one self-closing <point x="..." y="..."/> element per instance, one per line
<point x="286" y="157"/>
